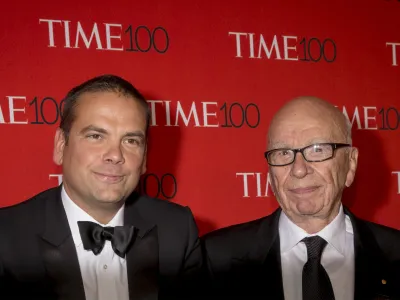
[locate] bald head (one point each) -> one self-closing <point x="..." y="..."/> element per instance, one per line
<point x="305" y="112"/>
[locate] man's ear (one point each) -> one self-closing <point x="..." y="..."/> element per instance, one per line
<point x="59" y="145"/>
<point x="353" y="161"/>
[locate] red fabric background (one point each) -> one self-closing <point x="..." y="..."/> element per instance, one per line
<point x="201" y="65"/>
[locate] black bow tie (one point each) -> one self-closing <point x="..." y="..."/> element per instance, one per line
<point x="94" y="237"/>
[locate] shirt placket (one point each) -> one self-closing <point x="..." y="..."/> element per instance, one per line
<point x="106" y="274"/>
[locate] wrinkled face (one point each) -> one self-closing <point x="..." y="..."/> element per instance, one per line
<point x="310" y="189"/>
<point x="105" y="154"/>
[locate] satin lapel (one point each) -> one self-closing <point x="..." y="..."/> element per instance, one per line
<point x="273" y="271"/>
<point x="272" y="267"/>
<point x="370" y="268"/>
<point x="264" y="273"/>
<point x="142" y="256"/>
<point x="59" y="253"/>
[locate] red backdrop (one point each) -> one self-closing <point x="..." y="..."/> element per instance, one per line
<point x="214" y="73"/>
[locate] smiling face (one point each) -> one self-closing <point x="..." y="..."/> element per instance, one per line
<point x="311" y="189"/>
<point x="105" y="153"/>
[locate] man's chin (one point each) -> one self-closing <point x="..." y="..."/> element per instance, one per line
<point x="308" y="210"/>
<point x="109" y="198"/>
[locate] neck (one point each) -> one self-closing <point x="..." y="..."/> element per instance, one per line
<point x="315" y="223"/>
<point x="101" y="212"/>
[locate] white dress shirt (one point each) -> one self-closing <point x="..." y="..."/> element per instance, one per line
<point x="105" y="275"/>
<point x="337" y="257"/>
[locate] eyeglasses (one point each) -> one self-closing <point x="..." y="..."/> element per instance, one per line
<point x="312" y="153"/>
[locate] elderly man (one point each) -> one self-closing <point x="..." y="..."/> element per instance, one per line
<point x="312" y="247"/>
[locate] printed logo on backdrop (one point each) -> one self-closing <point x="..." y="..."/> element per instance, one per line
<point x="397" y="175"/>
<point x="255" y="184"/>
<point x="283" y="47"/>
<point x="25" y="110"/>
<point x="373" y="117"/>
<point x="47" y="111"/>
<point x="105" y="36"/>
<point x="395" y="49"/>
<point x="163" y="186"/>
<point x="204" y="114"/>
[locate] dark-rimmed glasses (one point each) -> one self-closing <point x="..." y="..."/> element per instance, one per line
<point x="312" y="153"/>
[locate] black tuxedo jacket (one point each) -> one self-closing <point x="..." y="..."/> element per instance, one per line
<point x="244" y="260"/>
<point x="38" y="258"/>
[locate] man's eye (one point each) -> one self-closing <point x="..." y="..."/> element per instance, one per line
<point x="133" y="141"/>
<point x="319" y="149"/>
<point x="283" y="152"/>
<point x="94" y="136"/>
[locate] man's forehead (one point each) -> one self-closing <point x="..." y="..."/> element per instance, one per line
<point x="290" y="126"/>
<point x="311" y="117"/>
<point x="301" y="134"/>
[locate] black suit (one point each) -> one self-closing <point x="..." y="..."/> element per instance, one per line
<point x="244" y="260"/>
<point x="38" y="258"/>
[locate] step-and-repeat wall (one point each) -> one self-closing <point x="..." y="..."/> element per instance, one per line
<point x="214" y="73"/>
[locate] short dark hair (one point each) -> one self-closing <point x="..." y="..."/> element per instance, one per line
<point x="103" y="83"/>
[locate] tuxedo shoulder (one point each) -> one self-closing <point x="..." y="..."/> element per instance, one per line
<point x="387" y="238"/>
<point x="243" y="232"/>
<point x="235" y="241"/>
<point x="28" y="206"/>
<point x="173" y="220"/>
<point x="382" y="229"/>
<point x="25" y="218"/>
<point x="159" y="207"/>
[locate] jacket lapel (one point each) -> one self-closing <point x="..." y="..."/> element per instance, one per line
<point x="272" y="261"/>
<point x="371" y="270"/>
<point x="371" y="273"/>
<point x="263" y="276"/>
<point x="142" y="256"/>
<point x="59" y="252"/>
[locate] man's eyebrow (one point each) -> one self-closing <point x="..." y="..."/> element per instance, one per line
<point x="281" y="145"/>
<point x="93" y="128"/>
<point x="278" y="145"/>
<point x="318" y="141"/>
<point x="137" y="133"/>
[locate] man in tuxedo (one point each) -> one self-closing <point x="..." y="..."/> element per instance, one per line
<point x="93" y="237"/>
<point x="312" y="247"/>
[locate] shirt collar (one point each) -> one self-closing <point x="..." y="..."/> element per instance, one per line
<point x="334" y="233"/>
<point x="75" y="214"/>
